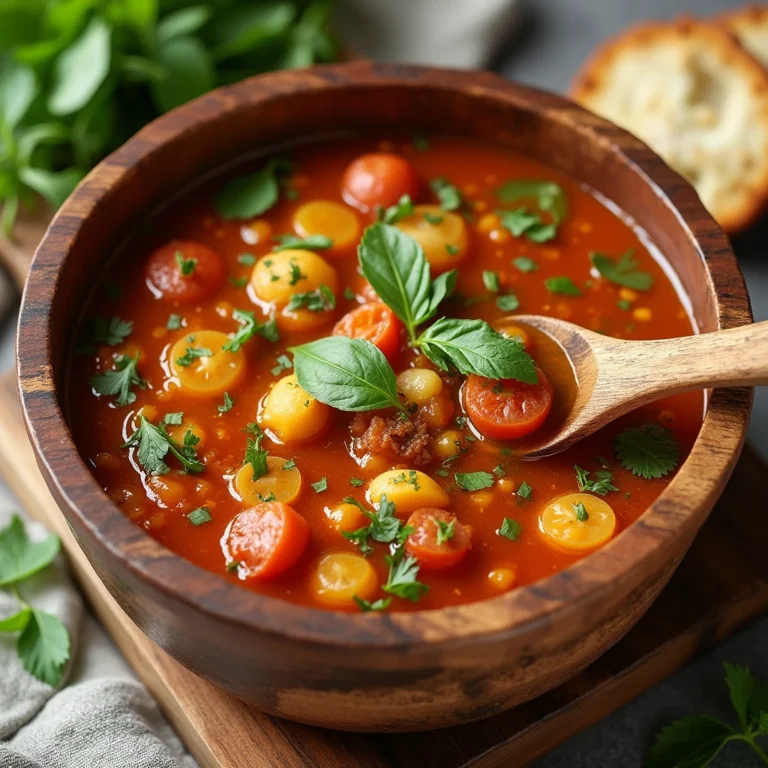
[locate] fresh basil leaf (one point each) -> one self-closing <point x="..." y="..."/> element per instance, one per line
<point x="188" y="72"/>
<point x="248" y="28"/>
<point x="622" y="272"/>
<point x="249" y="195"/>
<point x="81" y="69"/>
<point x="472" y="346"/>
<point x="348" y="374"/>
<point x="548" y="195"/>
<point x="44" y="647"/>
<point x="17" y="90"/>
<point x="19" y="556"/>
<point x="442" y="287"/>
<point x="401" y="209"/>
<point x="310" y="243"/>
<point x="183" y="22"/>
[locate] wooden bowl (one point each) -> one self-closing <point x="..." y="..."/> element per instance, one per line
<point x="400" y="671"/>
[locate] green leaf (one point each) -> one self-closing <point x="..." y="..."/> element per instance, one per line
<point x="228" y="403"/>
<point x="17" y="90"/>
<point x="449" y="196"/>
<point x="522" y="222"/>
<point x="248" y="28"/>
<point x="524" y="491"/>
<point x="154" y="443"/>
<point x="379" y="605"/>
<point x="17" y="621"/>
<point x="99" y="330"/>
<point x="311" y="243"/>
<point x="31" y="138"/>
<point x="249" y="327"/>
<point x="648" y="451"/>
<point x="81" y="69"/>
<point x="250" y="195"/>
<point x="395" y="265"/>
<point x="54" y="186"/>
<point x="199" y="516"/>
<point x="19" y="556"/>
<point x="319" y="300"/>
<point x="507" y="303"/>
<point x="524" y="264"/>
<point x="402" y="209"/>
<point x="491" y="280"/>
<point x="348" y="374"/>
<point x="120" y="380"/>
<point x="548" y="196"/>
<point x="44" y="647"/>
<point x="602" y="486"/>
<point x="562" y="285"/>
<point x="510" y="529"/>
<point x="183" y="22"/>
<point x="189" y="72"/>
<point x="622" y="272"/>
<point x="691" y="742"/>
<point x="402" y="581"/>
<point x="741" y="685"/>
<point x="472" y="346"/>
<point x="474" y="481"/>
<point x="321" y="485"/>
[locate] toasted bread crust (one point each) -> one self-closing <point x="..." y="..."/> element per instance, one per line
<point x="750" y="27"/>
<point x="694" y="94"/>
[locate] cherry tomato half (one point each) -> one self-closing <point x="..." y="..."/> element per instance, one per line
<point x="266" y="540"/>
<point x="374" y="322"/>
<point x="377" y="179"/>
<point x="508" y="409"/>
<point x="432" y="525"/>
<point x="185" y="271"/>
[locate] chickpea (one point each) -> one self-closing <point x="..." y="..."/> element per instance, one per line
<point x="419" y="384"/>
<point x="291" y="413"/>
<point x="447" y="444"/>
<point x="502" y="579"/>
<point x="276" y="277"/>
<point x="169" y="492"/>
<point x="345" y="517"/>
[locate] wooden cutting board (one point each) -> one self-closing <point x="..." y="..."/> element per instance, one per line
<point x="720" y="585"/>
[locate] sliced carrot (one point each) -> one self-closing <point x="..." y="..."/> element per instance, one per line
<point x="266" y="540"/>
<point x="431" y="525"/>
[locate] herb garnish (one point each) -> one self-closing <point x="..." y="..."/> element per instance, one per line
<point x="384" y="527"/>
<point x="648" y="451"/>
<point x="378" y="605"/>
<point x="120" y="380"/>
<point x="309" y="243"/>
<point x="402" y="581"/>
<point x="548" y="195"/>
<point x="250" y="327"/>
<point x="248" y="259"/>
<point x="601" y="486"/>
<point x="562" y="285"/>
<point x="510" y="529"/>
<point x="252" y="194"/>
<point x="191" y="354"/>
<point x="491" y="280"/>
<point x="524" y="491"/>
<point x="283" y="363"/>
<point x="199" y="516"/>
<point x="523" y="222"/>
<point x="474" y="481"/>
<point x="524" y="264"/>
<point x="622" y="272"/>
<point x="402" y="209"/>
<point x="581" y="512"/>
<point x="319" y="300"/>
<point x="97" y="330"/>
<point x="445" y="531"/>
<point x="154" y="442"/>
<point x="228" y="403"/>
<point x="186" y="266"/>
<point x="321" y="485"/>
<point x="507" y="303"/>
<point x="356" y="482"/>
<point x="255" y="455"/>
<point x="43" y="644"/>
<point x="449" y="196"/>
<point x="174" y="322"/>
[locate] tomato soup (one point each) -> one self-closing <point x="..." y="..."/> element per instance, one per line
<point x="306" y="376"/>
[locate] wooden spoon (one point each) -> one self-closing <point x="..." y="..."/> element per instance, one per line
<point x="616" y="376"/>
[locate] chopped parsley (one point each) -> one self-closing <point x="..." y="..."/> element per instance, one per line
<point x="284" y="363"/>
<point x="228" y="403"/>
<point x="508" y="302"/>
<point x="648" y="451"/>
<point x="186" y="266"/>
<point x="445" y="531"/>
<point x="474" y="481"/>
<point x="384" y="527"/>
<point x="199" y="516"/>
<point x="255" y="455"/>
<point x="98" y="330"/>
<point x="238" y="282"/>
<point x="120" y="380"/>
<point x="378" y="605"/>
<point x="349" y="294"/>
<point x="319" y="300"/>
<point x="250" y="327"/>
<point x="400" y="210"/>
<point x="524" y="222"/>
<point x="173" y="419"/>
<point x="430" y="218"/>
<point x="499" y="470"/>
<point x="191" y="354"/>
<point x="321" y="485"/>
<point x="622" y="271"/>
<point x="510" y="529"/>
<point x="624" y="304"/>
<point x="524" y="491"/>
<point x="402" y="579"/>
<point x="248" y="259"/>
<point x="491" y="280"/>
<point x="356" y="482"/>
<point x="601" y="486"/>
<point x="449" y="196"/>
<point x="174" y="322"/>
<point x="154" y="443"/>
<point x="290" y="464"/>
<point x="581" y="512"/>
<point x="309" y="243"/>
<point x="452" y="249"/>
<point x="524" y="264"/>
<point x="562" y="285"/>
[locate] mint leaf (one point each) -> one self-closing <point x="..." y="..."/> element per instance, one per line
<point x="348" y="374"/>
<point x="20" y="557"/>
<point x="622" y="272"/>
<point x="472" y="346"/>
<point x="44" y="647"/>
<point x="648" y="451"/>
<point x="691" y="742"/>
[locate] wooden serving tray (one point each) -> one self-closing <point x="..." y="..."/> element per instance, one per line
<point x="721" y="584"/>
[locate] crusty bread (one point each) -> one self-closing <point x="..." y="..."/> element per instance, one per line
<point x="750" y="26"/>
<point x="695" y="96"/>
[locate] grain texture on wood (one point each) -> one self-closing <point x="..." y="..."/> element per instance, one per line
<point x="615" y="375"/>
<point x="370" y="671"/>
<point x="721" y="584"/>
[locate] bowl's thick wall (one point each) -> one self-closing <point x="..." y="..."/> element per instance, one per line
<point x="376" y="672"/>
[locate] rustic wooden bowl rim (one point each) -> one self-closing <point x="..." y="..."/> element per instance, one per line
<point x="648" y="543"/>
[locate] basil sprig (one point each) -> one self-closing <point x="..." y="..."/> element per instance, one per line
<point x="348" y="374"/>
<point x="395" y="265"/>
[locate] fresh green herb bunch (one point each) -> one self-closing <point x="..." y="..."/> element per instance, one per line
<point x="79" y="77"/>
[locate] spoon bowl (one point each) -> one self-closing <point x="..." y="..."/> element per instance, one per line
<point x="615" y="376"/>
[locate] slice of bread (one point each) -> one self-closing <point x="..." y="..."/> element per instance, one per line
<point x="698" y="99"/>
<point x="750" y="26"/>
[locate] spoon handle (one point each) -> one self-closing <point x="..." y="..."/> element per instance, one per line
<point x="731" y="358"/>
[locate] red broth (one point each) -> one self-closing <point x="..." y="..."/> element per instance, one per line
<point x="494" y="563"/>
